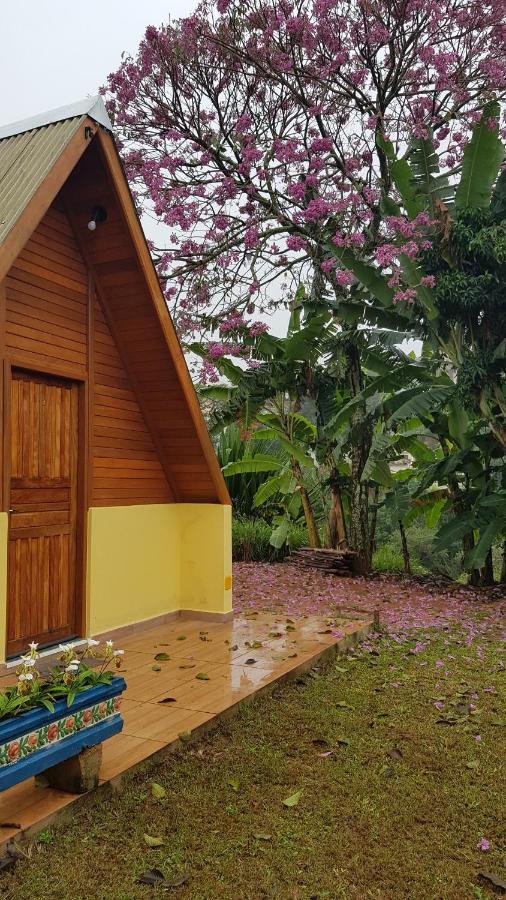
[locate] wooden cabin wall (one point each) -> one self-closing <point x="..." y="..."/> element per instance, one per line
<point x="54" y="323"/>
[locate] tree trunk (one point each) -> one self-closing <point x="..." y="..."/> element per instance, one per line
<point x="372" y="524"/>
<point x="503" y="567"/>
<point x="360" y="444"/>
<point x="487" y="574"/>
<point x="467" y="546"/>
<point x="405" y="549"/>
<point x="312" y="530"/>
<point x="336" y="523"/>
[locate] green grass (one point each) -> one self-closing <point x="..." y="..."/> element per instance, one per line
<point x="367" y="825"/>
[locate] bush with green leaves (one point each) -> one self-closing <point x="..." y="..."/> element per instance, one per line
<point x="251" y="541"/>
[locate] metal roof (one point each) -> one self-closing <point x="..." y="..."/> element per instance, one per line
<point x="29" y="150"/>
<point x="90" y="106"/>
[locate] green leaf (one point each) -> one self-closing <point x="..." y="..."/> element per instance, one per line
<point x="476" y="558"/>
<point x="280" y="534"/>
<point x="153" y="841"/>
<point x="259" y="463"/>
<point x="498" y="202"/>
<point x="421" y="402"/>
<point x="402" y="177"/>
<point x="234" y="783"/>
<point x="428" y="184"/>
<point x="434" y="513"/>
<point x="157" y="791"/>
<point x="482" y="159"/>
<point x="369" y="276"/>
<point x="293" y="799"/>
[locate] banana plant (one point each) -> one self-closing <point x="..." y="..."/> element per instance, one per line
<point x="463" y="316"/>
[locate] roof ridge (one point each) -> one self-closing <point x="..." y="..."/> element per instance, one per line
<point x="93" y="107"/>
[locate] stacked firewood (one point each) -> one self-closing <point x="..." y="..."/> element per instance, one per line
<point x="339" y="562"/>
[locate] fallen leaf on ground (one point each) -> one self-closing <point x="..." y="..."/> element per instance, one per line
<point x="157" y="791"/>
<point x="155" y="878"/>
<point x="394" y="753"/>
<point x="156" y="668"/>
<point x="343" y="705"/>
<point x="494" y="880"/>
<point x="162" y="657"/>
<point x="234" y="783"/>
<point x="182" y="637"/>
<point x="250" y="662"/>
<point x="260" y="836"/>
<point x="293" y="799"/>
<point x="168" y="700"/>
<point x="153" y="841"/>
<point x="188" y="666"/>
<point x="202" y="676"/>
<point x="184" y="736"/>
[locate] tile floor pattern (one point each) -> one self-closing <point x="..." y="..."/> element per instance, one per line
<point x="223" y="652"/>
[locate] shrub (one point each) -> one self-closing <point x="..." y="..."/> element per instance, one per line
<point x="388" y="558"/>
<point x="250" y="541"/>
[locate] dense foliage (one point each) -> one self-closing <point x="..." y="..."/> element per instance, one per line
<point x="342" y="159"/>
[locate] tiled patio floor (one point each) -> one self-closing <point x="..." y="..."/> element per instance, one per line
<point x="235" y="670"/>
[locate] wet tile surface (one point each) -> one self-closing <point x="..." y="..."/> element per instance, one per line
<point x="211" y="667"/>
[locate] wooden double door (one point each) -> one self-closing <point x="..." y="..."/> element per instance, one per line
<point x="42" y="462"/>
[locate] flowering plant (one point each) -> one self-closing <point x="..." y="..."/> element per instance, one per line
<point x="70" y="676"/>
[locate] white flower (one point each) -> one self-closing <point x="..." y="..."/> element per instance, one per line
<point x="72" y="667"/>
<point x="118" y="652"/>
<point x="28" y="661"/>
<point x="65" y="648"/>
<point x="92" y="642"/>
<point x="109" y="643"/>
<point x="26" y="676"/>
<point x="33" y="646"/>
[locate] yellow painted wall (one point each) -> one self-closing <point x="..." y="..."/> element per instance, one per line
<point x="4" y="524"/>
<point x="206" y="557"/>
<point x="144" y="561"/>
<point x="132" y="565"/>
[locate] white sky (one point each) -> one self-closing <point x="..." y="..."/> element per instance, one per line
<point x="53" y="52"/>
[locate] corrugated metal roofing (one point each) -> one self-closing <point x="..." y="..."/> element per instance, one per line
<point x="25" y="161"/>
<point x="29" y="150"/>
<point x="91" y="106"/>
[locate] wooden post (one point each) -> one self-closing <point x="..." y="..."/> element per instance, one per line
<point x="76" y="775"/>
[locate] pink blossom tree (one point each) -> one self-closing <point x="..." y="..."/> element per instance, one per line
<point x="264" y="134"/>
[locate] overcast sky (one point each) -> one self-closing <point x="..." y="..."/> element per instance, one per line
<point x="53" y="52"/>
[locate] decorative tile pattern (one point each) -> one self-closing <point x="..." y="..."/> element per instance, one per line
<point x="54" y="732"/>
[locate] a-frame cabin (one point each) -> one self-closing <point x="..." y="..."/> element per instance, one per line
<point x="114" y="508"/>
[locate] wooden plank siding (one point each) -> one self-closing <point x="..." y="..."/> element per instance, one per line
<point x="122" y="286"/>
<point x="125" y="462"/>
<point x="47" y="325"/>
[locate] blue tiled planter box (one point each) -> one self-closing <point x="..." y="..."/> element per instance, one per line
<point x="34" y="741"/>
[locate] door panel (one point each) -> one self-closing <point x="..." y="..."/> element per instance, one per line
<point x="43" y="510"/>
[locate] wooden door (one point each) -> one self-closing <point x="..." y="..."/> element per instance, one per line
<point x="43" y="510"/>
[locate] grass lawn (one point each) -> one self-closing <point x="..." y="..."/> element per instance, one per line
<point x="397" y="756"/>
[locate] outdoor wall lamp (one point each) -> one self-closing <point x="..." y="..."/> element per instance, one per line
<point x="99" y="214"/>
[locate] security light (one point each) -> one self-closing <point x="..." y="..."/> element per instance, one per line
<point x="99" y="214"/>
